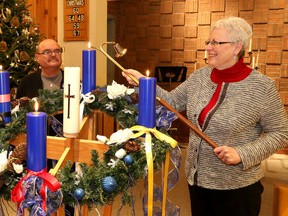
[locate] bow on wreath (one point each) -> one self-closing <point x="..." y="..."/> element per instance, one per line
<point x="149" y="157"/>
<point x="31" y="192"/>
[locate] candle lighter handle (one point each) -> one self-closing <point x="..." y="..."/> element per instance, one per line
<point x="189" y="124"/>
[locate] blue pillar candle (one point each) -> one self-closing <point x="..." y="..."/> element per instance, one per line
<point x="147" y="102"/>
<point x="36" y="131"/>
<point x="88" y="70"/>
<point x="5" y="109"/>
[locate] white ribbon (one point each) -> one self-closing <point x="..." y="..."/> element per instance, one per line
<point x="15" y="110"/>
<point x="86" y="99"/>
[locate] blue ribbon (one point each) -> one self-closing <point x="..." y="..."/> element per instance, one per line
<point x="56" y="126"/>
<point x="33" y="199"/>
<point x="164" y="118"/>
<point x="173" y="176"/>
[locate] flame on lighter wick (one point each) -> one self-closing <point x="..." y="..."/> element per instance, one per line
<point x="89" y="44"/>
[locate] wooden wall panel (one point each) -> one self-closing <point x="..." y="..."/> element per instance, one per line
<point x="166" y="20"/>
<point x="178" y="31"/>
<point x="177" y="57"/>
<point x="165" y="32"/>
<point x="260" y="16"/>
<point x="154" y="20"/>
<point x="166" y="7"/>
<point x="189" y="56"/>
<point x="190" y="31"/>
<point x="184" y="26"/>
<point x="217" y="5"/>
<point x="246" y="5"/>
<point x="166" y="43"/>
<point x="276" y="4"/>
<point x="231" y="6"/>
<point x="178" y="7"/>
<point x="191" y="6"/>
<point x="191" y="19"/>
<point x="177" y="43"/>
<point x="44" y="14"/>
<point x="284" y="71"/>
<point x="165" y="56"/>
<point x="153" y="43"/>
<point x="153" y="32"/>
<point x="178" y="19"/>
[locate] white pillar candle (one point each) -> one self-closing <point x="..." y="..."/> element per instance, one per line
<point x="253" y="62"/>
<point x="250" y="46"/>
<point x="71" y="98"/>
<point x="257" y="59"/>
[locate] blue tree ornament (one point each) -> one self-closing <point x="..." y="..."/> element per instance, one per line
<point x="79" y="194"/>
<point x="109" y="184"/>
<point x="128" y="159"/>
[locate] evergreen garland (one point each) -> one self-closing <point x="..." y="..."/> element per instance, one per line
<point x="124" y="109"/>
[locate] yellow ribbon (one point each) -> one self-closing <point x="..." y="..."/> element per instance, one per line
<point x="165" y="183"/>
<point x="149" y="158"/>
<point x="160" y="136"/>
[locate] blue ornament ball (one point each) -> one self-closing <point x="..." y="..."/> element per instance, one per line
<point x="128" y="159"/>
<point x="79" y="194"/>
<point x="109" y="184"/>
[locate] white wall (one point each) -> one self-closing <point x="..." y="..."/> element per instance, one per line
<point x="97" y="34"/>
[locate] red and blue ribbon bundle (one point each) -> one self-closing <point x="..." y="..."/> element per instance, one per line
<point x="34" y="192"/>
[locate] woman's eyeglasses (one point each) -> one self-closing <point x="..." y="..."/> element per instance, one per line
<point x="216" y="43"/>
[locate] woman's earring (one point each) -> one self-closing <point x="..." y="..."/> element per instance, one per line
<point x="234" y="56"/>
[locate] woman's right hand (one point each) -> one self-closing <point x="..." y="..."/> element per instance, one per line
<point x="132" y="76"/>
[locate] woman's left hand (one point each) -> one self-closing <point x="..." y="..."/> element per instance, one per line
<point x="227" y="155"/>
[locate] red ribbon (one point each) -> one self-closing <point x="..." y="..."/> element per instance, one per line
<point x="17" y="194"/>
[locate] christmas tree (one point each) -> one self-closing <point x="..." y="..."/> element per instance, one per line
<point x="19" y="37"/>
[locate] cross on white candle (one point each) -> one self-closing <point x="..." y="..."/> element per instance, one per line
<point x="69" y="96"/>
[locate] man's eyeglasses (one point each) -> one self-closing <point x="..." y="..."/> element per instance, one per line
<point x="216" y="43"/>
<point x="50" y="52"/>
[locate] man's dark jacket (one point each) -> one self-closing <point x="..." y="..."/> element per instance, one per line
<point x="29" y="85"/>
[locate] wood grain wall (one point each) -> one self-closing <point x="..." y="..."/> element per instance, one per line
<point x="167" y="32"/>
<point x="44" y="13"/>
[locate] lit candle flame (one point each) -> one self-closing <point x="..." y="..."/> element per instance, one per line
<point x="147" y="73"/>
<point x="36" y="106"/>
<point x="1" y="68"/>
<point x="89" y="44"/>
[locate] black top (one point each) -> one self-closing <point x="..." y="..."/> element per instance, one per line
<point x="29" y="85"/>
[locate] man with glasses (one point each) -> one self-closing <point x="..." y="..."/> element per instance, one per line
<point x="48" y="76"/>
